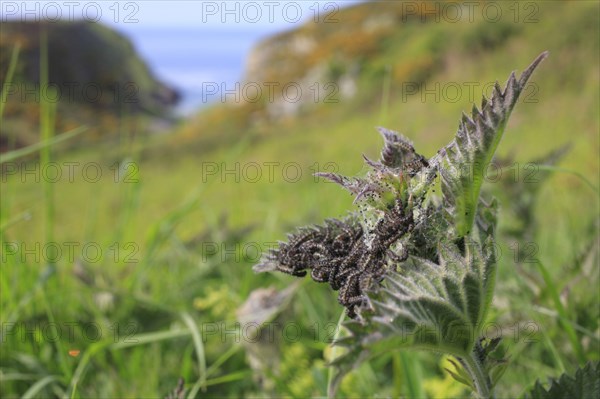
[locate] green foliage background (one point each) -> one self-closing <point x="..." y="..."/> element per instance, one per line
<point x="166" y="206"/>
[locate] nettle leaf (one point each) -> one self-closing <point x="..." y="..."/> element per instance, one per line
<point x="355" y="185"/>
<point x="398" y="153"/>
<point x="440" y="306"/>
<point x="433" y="306"/>
<point x="460" y="375"/>
<point x="464" y="161"/>
<point x="586" y="384"/>
<point x="490" y="355"/>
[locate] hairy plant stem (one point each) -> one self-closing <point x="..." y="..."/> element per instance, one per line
<point x="476" y="371"/>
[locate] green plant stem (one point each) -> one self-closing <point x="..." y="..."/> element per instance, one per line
<point x="477" y="372"/>
<point x="334" y="351"/>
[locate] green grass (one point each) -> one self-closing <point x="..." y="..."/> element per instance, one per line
<point x="152" y="331"/>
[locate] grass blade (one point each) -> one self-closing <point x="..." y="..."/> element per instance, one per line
<point x="14" y="57"/>
<point x="412" y="374"/>
<point x="334" y="350"/>
<point x="38" y="386"/>
<point x="143" y="339"/>
<point x="191" y="324"/>
<point x="563" y="320"/>
<point x="21" y="152"/>
<point x="571" y="172"/>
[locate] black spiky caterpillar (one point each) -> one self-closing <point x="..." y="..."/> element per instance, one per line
<point x="338" y="253"/>
<point x="344" y="253"/>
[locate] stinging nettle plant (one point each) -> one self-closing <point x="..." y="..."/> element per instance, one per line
<point x="412" y="269"/>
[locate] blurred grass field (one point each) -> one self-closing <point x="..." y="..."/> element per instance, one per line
<point x="162" y="204"/>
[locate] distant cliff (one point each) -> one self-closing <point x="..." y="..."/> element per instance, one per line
<point x="94" y="75"/>
<point x="332" y="52"/>
<point x="326" y="44"/>
<point x="352" y="49"/>
<point x="350" y="57"/>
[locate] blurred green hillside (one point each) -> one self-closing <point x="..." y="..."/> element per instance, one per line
<point x="94" y="76"/>
<point x="178" y="217"/>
